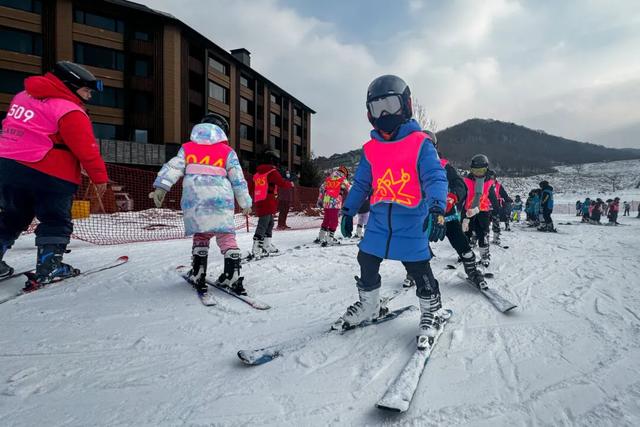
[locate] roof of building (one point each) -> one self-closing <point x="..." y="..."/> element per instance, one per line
<point x="229" y="56"/>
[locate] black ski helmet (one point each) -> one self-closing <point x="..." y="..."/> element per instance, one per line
<point x="479" y="161"/>
<point x="388" y="116"/>
<point x="270" y="156"/>
<point x="75" y="76"/>
<point x="218" y="120"/>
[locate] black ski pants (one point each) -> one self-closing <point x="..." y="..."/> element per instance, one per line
<point x="457" y="238"/>
<point x="264" y="227"/>
<point x="480" y="224"/>
<point x="546" y="214"/>
<point x="420" y="271"/>
<point x="20" y="205"/>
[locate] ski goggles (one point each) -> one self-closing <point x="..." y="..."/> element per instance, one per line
<point x="389" y="105"/>
<point x="479" y="171"/>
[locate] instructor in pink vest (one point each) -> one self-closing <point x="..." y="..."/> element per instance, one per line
<point x="46" y="139"/>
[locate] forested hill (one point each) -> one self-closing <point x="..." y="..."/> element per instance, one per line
<point x="511" y="148"/>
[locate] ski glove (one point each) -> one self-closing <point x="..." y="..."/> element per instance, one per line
<point x="435" y="225"/>
<point x="346" y="225"/>
<point x="158" y="196"/>
<point x="472" y="212"/>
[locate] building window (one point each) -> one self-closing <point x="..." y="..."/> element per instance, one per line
<point x="98" y="56"/>
<point x="218" y="66"/>
<point x="11" y="81"/>
<point x="275" y="99"/>
<point x="297" y="150"/>
<point x="298" y="130"/>
<point x="217" y="92"/>
<point x="245" y="105"/>
<point x="246" y="81"/>
<point x="275" y="119"/>
<point x="20" y="41"/>
<point x="246" y="132"/>
<point x="142" y="102"/>
<point x="298" y="112"/>
<point x="142" y="35"/>
<point x="98" y="21"/>
<point x="106" y="131"/>
<point x="142" y="67"/>
<point x="275" y="142"/>
<point x="141" y="135"/>
<point x="33" y="6"/>
<point x="110" y="97"/>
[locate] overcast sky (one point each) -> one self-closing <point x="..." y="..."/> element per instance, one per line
<point x="571" y="68"/>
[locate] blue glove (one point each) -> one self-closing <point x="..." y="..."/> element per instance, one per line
<point x="435" y="225"/>
<point x="346" y="225"/>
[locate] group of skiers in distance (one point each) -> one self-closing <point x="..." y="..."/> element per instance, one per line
<point x="592" y="210"/>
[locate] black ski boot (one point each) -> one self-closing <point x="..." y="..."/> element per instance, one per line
<point x="197" y="276"/>
<point x="5" y="270"/>
<point x="49" y="267"/>
<point x="474" y="275"/>
<point x="231" y="278"/>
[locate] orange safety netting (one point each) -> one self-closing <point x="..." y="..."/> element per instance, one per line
<point x="125" y="214"/>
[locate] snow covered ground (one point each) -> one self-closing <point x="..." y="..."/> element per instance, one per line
<point x="133" y="346"/>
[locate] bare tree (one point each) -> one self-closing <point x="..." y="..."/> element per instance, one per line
<point x="421" y="115"/>
<point x="579" y="168"/>
<point x="614" y="180"/>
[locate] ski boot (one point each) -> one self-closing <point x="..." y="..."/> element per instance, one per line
<point x="330" y="240"/>
<point x="408" y="281"/>
<point x="5" y="270"/>
<point x="367" y="308"/>
<point x="49" y="267"/>
<point x="359" y="231"/>
<point x="431" y="318"/>
<point x="259" y="251"/>
<point x="485" y="256"/>
<point x="231" y="278"/>
<point x="268" y="246"/>
<point x="473" y="274"/>
<point x="321" y="236"/>
<point x="473" y="241"/>
<point x="197" y="276"/>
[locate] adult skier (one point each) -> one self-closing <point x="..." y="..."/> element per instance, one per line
<point x="331" y="195"/>
<point x="266" y="182"/>
<point x="407" y="206"/>
<point x="481" y="195"/>
<point x="546" y="205"/>
<point x="46" y="140"/>
<point x="212" y="177"/>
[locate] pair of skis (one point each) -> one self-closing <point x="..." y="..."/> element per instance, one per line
<point x="37" y="286"/>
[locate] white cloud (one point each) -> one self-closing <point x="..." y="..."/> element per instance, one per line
<point x="551" y="65"/>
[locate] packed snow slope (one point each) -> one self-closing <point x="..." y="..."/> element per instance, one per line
<point x="134" y="347"/>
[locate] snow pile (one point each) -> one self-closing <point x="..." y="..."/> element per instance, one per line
<point x="134" y="346"/>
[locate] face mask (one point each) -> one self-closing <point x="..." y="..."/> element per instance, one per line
<point x="388" y="123"/>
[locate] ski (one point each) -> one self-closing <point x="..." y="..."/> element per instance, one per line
<point x="258" y="305"/>
<point x="487" y="275"/>
<point x="14" y="275"/>
<point x="400" y="393"/>
<point x="501" y="303"/>
<point x="267" y="354"/>
<point x="31" y="277"/>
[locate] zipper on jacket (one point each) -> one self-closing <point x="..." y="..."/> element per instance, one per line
<point x="386" y="252"/>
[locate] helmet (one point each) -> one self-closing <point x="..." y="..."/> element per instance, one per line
<point x="218" y="120"/>
<point x="344" y="171"/>
<point x="479" y="165"/>
<point x="432" y="136"/>
<point x="75" y="76"/>
<point x="388" y="103"/>
<point x="270" y="156"/>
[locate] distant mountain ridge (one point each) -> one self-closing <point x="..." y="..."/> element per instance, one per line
<point x="512" y="149"/>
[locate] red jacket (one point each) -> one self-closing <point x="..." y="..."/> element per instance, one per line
<point x="269" y="206"/>
<point x="74" y="131"/>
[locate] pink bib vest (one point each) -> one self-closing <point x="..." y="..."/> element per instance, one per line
<point x="394" y="167"/>
<point x="261" y="186"/>
<point x="332" y="186"/>
<point x="485" y="203"/>
<point x="29" y="125"/>
<point x="206" y="159"/>
<point x="444" y="162"/>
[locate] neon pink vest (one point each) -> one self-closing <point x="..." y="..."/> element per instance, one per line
<point x="394" y="167"/>
<point x="206" y="159"/>
<point x="485" y="203"/>
<point x="261" y="186"/>
<point x="333" y="186"/>
<point x="29" y="125"/>
<point x="444" y="162"/>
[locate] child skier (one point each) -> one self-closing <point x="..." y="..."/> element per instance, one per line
<point x="212" y="177"/>
<point x="627" y="208"/>
<point x="331" y="195"/>
<point x="481" y="195"/>
<point x="407" y="206"/>
<point x="614" y="210"/>
<point x="266" y="182"/>
<point x="516" y="209"/>
<point x="546" y="205"/>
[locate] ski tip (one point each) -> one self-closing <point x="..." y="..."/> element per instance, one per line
<point x="245" y="358"/>
<point x="386" y="407"/>
<point x="123" y="258"/>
